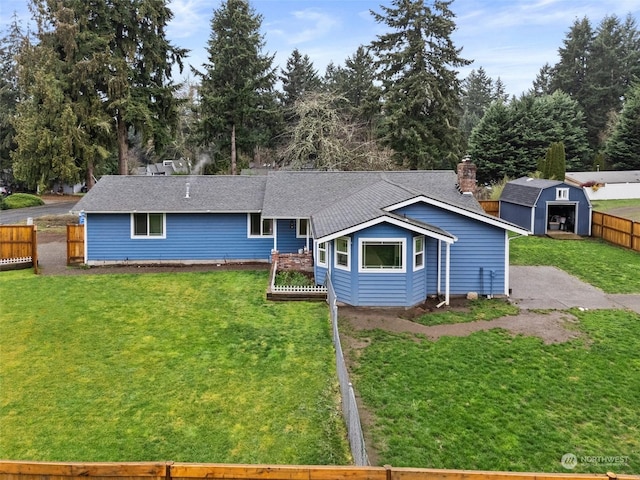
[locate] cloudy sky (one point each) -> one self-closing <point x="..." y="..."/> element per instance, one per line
<point x="510" y="39"/>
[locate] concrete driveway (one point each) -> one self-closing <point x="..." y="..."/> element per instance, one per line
<point x="551" y="288"/>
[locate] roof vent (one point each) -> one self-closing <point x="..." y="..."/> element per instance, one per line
<point x="187" y="195"/>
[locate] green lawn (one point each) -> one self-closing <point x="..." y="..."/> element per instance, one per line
<point x="627" y="208"/>
<point x="190" y="367"/>
<point x="493" y="401"/>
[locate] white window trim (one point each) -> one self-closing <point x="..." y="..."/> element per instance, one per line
<point x="147" y="236"/>
<point x="348" y="253"/>
<point x="562" y="194"/>
<point x="298" y="234"/>
<point x="324" y="264"/>
<point x="262" y="235"/>
<point x="401" y="241"/>
<point x="415" y="253"/>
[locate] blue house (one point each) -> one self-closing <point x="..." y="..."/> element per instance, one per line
<point x="384" y="238"/>
<point x="541" y="205"/>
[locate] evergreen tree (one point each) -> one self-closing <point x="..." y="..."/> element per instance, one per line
<point x="542" y="85"/>
<point x="491" y="145"/>
<point x="570" y="73"/>
<point x="298" y="78"/>
<point x="606" y="77"/>
<point x="477" y="95"/>
<point x="237" y="99"/>
<point x="622" y="150"/>
<point x="510" y="139"/>
<point x="61" y="126"/>
<point x="10" y="46"/>
<point x="596" y="68"/>
<point x="355" y="83"/>
<point x="500" y="91"/>
<point x="113" y="68"/>
<point x="553" y="165"/>
<point x="418" y="61"/>
<point x="139" y="89"/>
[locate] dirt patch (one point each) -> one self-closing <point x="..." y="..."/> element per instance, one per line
<point x="551" y="327"/>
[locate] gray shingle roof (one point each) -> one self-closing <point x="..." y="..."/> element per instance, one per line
<point x="207" y="193"/>
<point x="526" y="191"/>
<point x="334" y="201"/>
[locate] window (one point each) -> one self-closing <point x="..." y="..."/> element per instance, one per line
<point x="382" y="255"/>
<point x="418" y="253"/>
<point x="322" y="254"/>
<point x="342" y="253"/>
<point x="147" y="225"/>
<point x="260" y="227"/>
<point x="562" y="194"/>
<point x="303" y="228"/>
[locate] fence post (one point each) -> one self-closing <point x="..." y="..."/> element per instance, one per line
<point x="34" y="248"/>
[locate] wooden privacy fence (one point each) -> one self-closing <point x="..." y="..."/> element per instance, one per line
<point x="617" y="230"/>
<point x="181" y="471"/>
<point x="18" y="247"/>
<point x="75" y="244"/>
<point x="491" y="207"/>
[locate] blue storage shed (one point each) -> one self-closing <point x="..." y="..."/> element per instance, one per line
<point x="541" y="205"/>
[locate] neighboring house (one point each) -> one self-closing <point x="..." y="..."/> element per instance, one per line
<point x="164" y="168"/>
<point x="541" y="205"/>
<point x="607" y="185"/>
<point x="385" y="238"/>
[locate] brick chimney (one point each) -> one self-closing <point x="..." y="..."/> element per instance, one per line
<point x="467" y="176"/>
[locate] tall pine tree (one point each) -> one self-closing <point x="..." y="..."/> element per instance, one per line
<point x="476" y="97"/>
<point x="417" y="63"/>
<point x="10" y="46"/>
<point x="622" y="149"/>
<point x="298" y="78"/>
<point x="61" y="125"/>
<point x="237" y="99"/>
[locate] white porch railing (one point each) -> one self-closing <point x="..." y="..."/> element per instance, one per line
<point x="299" y="288"/>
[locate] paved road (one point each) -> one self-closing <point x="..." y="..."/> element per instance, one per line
<point x="20" y="215"/>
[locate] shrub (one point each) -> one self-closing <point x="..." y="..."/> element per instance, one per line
<point x="292" y="278"/>
<point x="22" y="200"/>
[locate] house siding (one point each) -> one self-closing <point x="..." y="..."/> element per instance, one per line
<point x="287" y="240"/>
<point x="517" y="214"/>
<point x="479" y="250"/>
<point x="391" y="289"/>
<point x="189" y="237"/>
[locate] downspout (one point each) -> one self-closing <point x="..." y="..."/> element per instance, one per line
<point x="447" y="274"/>
<point x="439" y="287"/>
<point x="86" y="246"/>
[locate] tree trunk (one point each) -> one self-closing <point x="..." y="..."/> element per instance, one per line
<point x="234" y="166"/>
<point x="123" y="168"/>
<point x="89" y="177"/>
